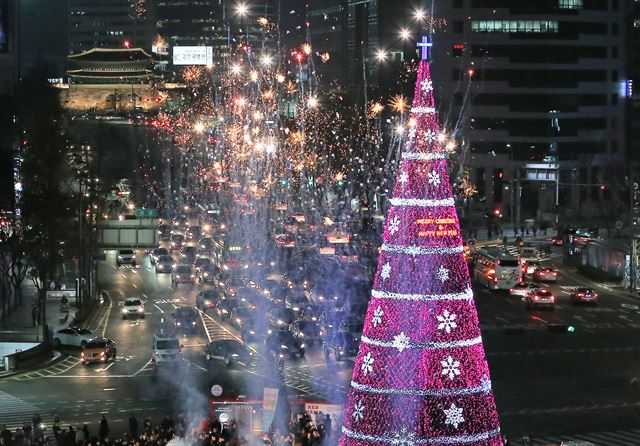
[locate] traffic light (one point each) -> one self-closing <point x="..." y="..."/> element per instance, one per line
<point x="571" y="329"/>
<point x="498" y="175"/>
<point x="340" y="183"/>
<point x="284" y="182"/>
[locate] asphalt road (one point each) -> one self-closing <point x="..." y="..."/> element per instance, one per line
<point x="545" y="382"/>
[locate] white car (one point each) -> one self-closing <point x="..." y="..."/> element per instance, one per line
<point x="529" y="266"/>
<point x="133" y="307"/>
<point x="73" y="336"/>
<point x="166" y="350"/>
<point x="126" y="256"/>
<point x="522" y="289"/>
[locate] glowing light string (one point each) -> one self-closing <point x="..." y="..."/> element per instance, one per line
<point x="466" y="295"/>
<point x="424" y="345"/>
<point x="456" y="439"/>
<point x="485" y="387"/>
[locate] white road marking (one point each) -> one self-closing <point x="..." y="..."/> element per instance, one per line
<point x="161" y="310"/>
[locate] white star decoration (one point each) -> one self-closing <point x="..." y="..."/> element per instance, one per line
<point x="367" y="364"/>
<point x="358" y="411"/>
<point x="450" y="367"/>
<point x="401" y="342"/>
<point x="386" y="271"/>
<point x="430" y="136"/>
<point x="403" y="178"/>
<point x="434" y="178"/>
<point x="394" y="225"/>
<point x="453" y="416"/>
<point x="426" y="85"/>
<point x="404" y="438"/>
<point x="447" y="321"/>
<point x="377" y="317"/>
<point x="442" y="274"/>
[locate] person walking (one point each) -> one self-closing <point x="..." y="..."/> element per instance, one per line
<point x="133" y="427"/>
<point x="104" y="428"/>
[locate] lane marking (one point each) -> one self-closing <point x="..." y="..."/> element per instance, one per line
<point x="161" y="310"/>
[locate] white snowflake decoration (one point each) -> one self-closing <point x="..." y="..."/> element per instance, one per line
<point x="450" y="367"/>
<point x="377" y="317"/>
<point x="442" y="274"/>
<point x="447" y="321"/>
<point x="401" y="342"/>
<point x="367" y="364"/>
<point x="403" y="178"/>
<point x="404" y="437"/>
<point x="426" y="85"/>
<point x="430" y="136"/>
<point x="394" y="225"/>
<point x="358" y="411"/>
<point x="453" y="416"/>
<point x="434" y="178"/>
<point x="386" y="271"/>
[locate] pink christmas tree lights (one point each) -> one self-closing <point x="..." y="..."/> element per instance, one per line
<point x="421" y="376"/>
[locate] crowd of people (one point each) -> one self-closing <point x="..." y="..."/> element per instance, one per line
<point x="303" y="430"/>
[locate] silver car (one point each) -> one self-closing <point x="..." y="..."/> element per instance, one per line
<point x="133" y="307"/>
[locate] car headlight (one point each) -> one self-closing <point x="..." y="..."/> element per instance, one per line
<point x="177" y="276"/>
<point x="284" y="347"/>
<point x="206" y="302"/>
<point x="124" y="310"/>
<point x="225" y="267"/>
<point x="224" y="311"/>
<point x="140" y="310"/>
<point x="178" y="324"/>
<point x="193" y="322"/>
<point x="206" y="274"/>
<point x="238" y="320"/>
<point x="301" y="345"/>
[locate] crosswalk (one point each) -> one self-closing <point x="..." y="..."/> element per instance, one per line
<point x="15" y="411"/>
<point x="613" y="438"/>
<point x="55" y="369"/>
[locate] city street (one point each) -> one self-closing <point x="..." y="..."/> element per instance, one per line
<point x="546" y="381"/>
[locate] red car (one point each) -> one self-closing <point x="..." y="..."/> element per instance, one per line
<point x="557" y="240"/>
<point x="584" y="295"/>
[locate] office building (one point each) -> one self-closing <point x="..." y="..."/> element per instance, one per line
<point x="108" y="24"/>
<point x="521" y="82"/>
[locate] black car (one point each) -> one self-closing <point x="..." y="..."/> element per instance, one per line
<point x="340" y="344"/>
<point x="229" y="351"/>
<point x="208" y="299"/>
<point x="306" y="331"/>
<point x="208" y="273"/>
<point x="242" y="315"/>
<point x="297" y="301"/>
<point x="282" y="343"/>
<point x="226" y="306"/>
<point x="185" y="319"/>
<point x="176" y="241"/>
<point x="254" y="330"/>
<point x="188" y="253"/>
<point x="194" y="232"/>
<point x="200" y="262"/>
<point x="282" y="317"/>
<point x="584" y="295"/>
<point x="205" y="245"/>
<point x="156" y="253"/>
<point x="232" y="283"/>
<point x="164" y="231"/>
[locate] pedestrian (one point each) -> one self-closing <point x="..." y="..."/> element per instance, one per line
<point x="515" y="231"/>
<point x="80" y="439"/>
<point x="505" y="441"/>
<point x="34" y="315"/>
<point x="522" y="230"/>
<point x="504" y="241"/>
<point x="133" y="426"/>
<point x="489" y="234"/>
<point x="104" y="428"/>
<point x="71" y="437"/>
<point x="167" y="423"/>
<point x="85" y="429"/>
<point x="327" y="426"/>
<point x="535" y="230"/>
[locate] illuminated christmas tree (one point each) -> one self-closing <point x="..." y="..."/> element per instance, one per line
<point x="421" y="376"/>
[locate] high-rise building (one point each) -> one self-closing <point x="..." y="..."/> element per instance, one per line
<point x="526" y="81"/>
<point x="109" y="24"/>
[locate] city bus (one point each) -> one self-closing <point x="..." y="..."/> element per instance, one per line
<point x="230" y="255"/>
<point x="496" y="269"/>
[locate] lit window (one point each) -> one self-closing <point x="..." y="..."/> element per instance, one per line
<point x="514" y="26"/>
<point x="570" y="4"/>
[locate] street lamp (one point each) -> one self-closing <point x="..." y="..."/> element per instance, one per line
<point x="381" y="55"/>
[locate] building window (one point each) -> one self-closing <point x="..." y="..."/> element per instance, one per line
<point x="570" y="4"/>
<point x="514" y="26"/>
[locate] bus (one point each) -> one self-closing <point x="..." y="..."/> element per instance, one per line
<point x="495" y="268"/>
<point x="230" y="255"/>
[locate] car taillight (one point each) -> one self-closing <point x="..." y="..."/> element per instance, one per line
<point x="553" y="298"/>
<point x="580" y="294"/>
<point x="536" y="298"/>
<point x="554" y="273"/>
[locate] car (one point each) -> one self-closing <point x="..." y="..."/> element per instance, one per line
<point x="133" y="307"/>
<point x="176" y="241"/>
<point x="281" y="343"/>
<point x="241" y="316"/>
<point x="164" y="231"/>
<point x="188" y="253"/>
<point x="208" y="299"/>
<point x="286" y="241"/>
<point x="194" y="232"/>
<point x="205" y="245"/>
<point x="584" y="295"/>
<point x="522" y="289"/>
<point x="155" y="254"/>
<point x="208" y="274"/>
<point x="297" y="301"/>
<point x="226" y="306"/>
<point x="201" y="262"/>
<point x="185" y="319"/>
<point x="183" y="274"/>
<point x="164" y="264"/>
<point x="545" y="275"/>
<point x="229" y="351"/>
<point x="281" y="317"/>
<point x="181" y="221"/>
<point x="72" y="336"/>
<point x="231" y="284"/>
<point x="530" y="265"/>
<point x="166" y="350"/>
<point x="125" y="256"/>
<point x="98" y="350"/>
<point x="307" y="331"/>
<point x="340" y="344"/>
<point x="540" y="297"/>
<point x="557" y="240"/>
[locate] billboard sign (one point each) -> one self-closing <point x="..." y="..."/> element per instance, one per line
<point x="192" y="55"/>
